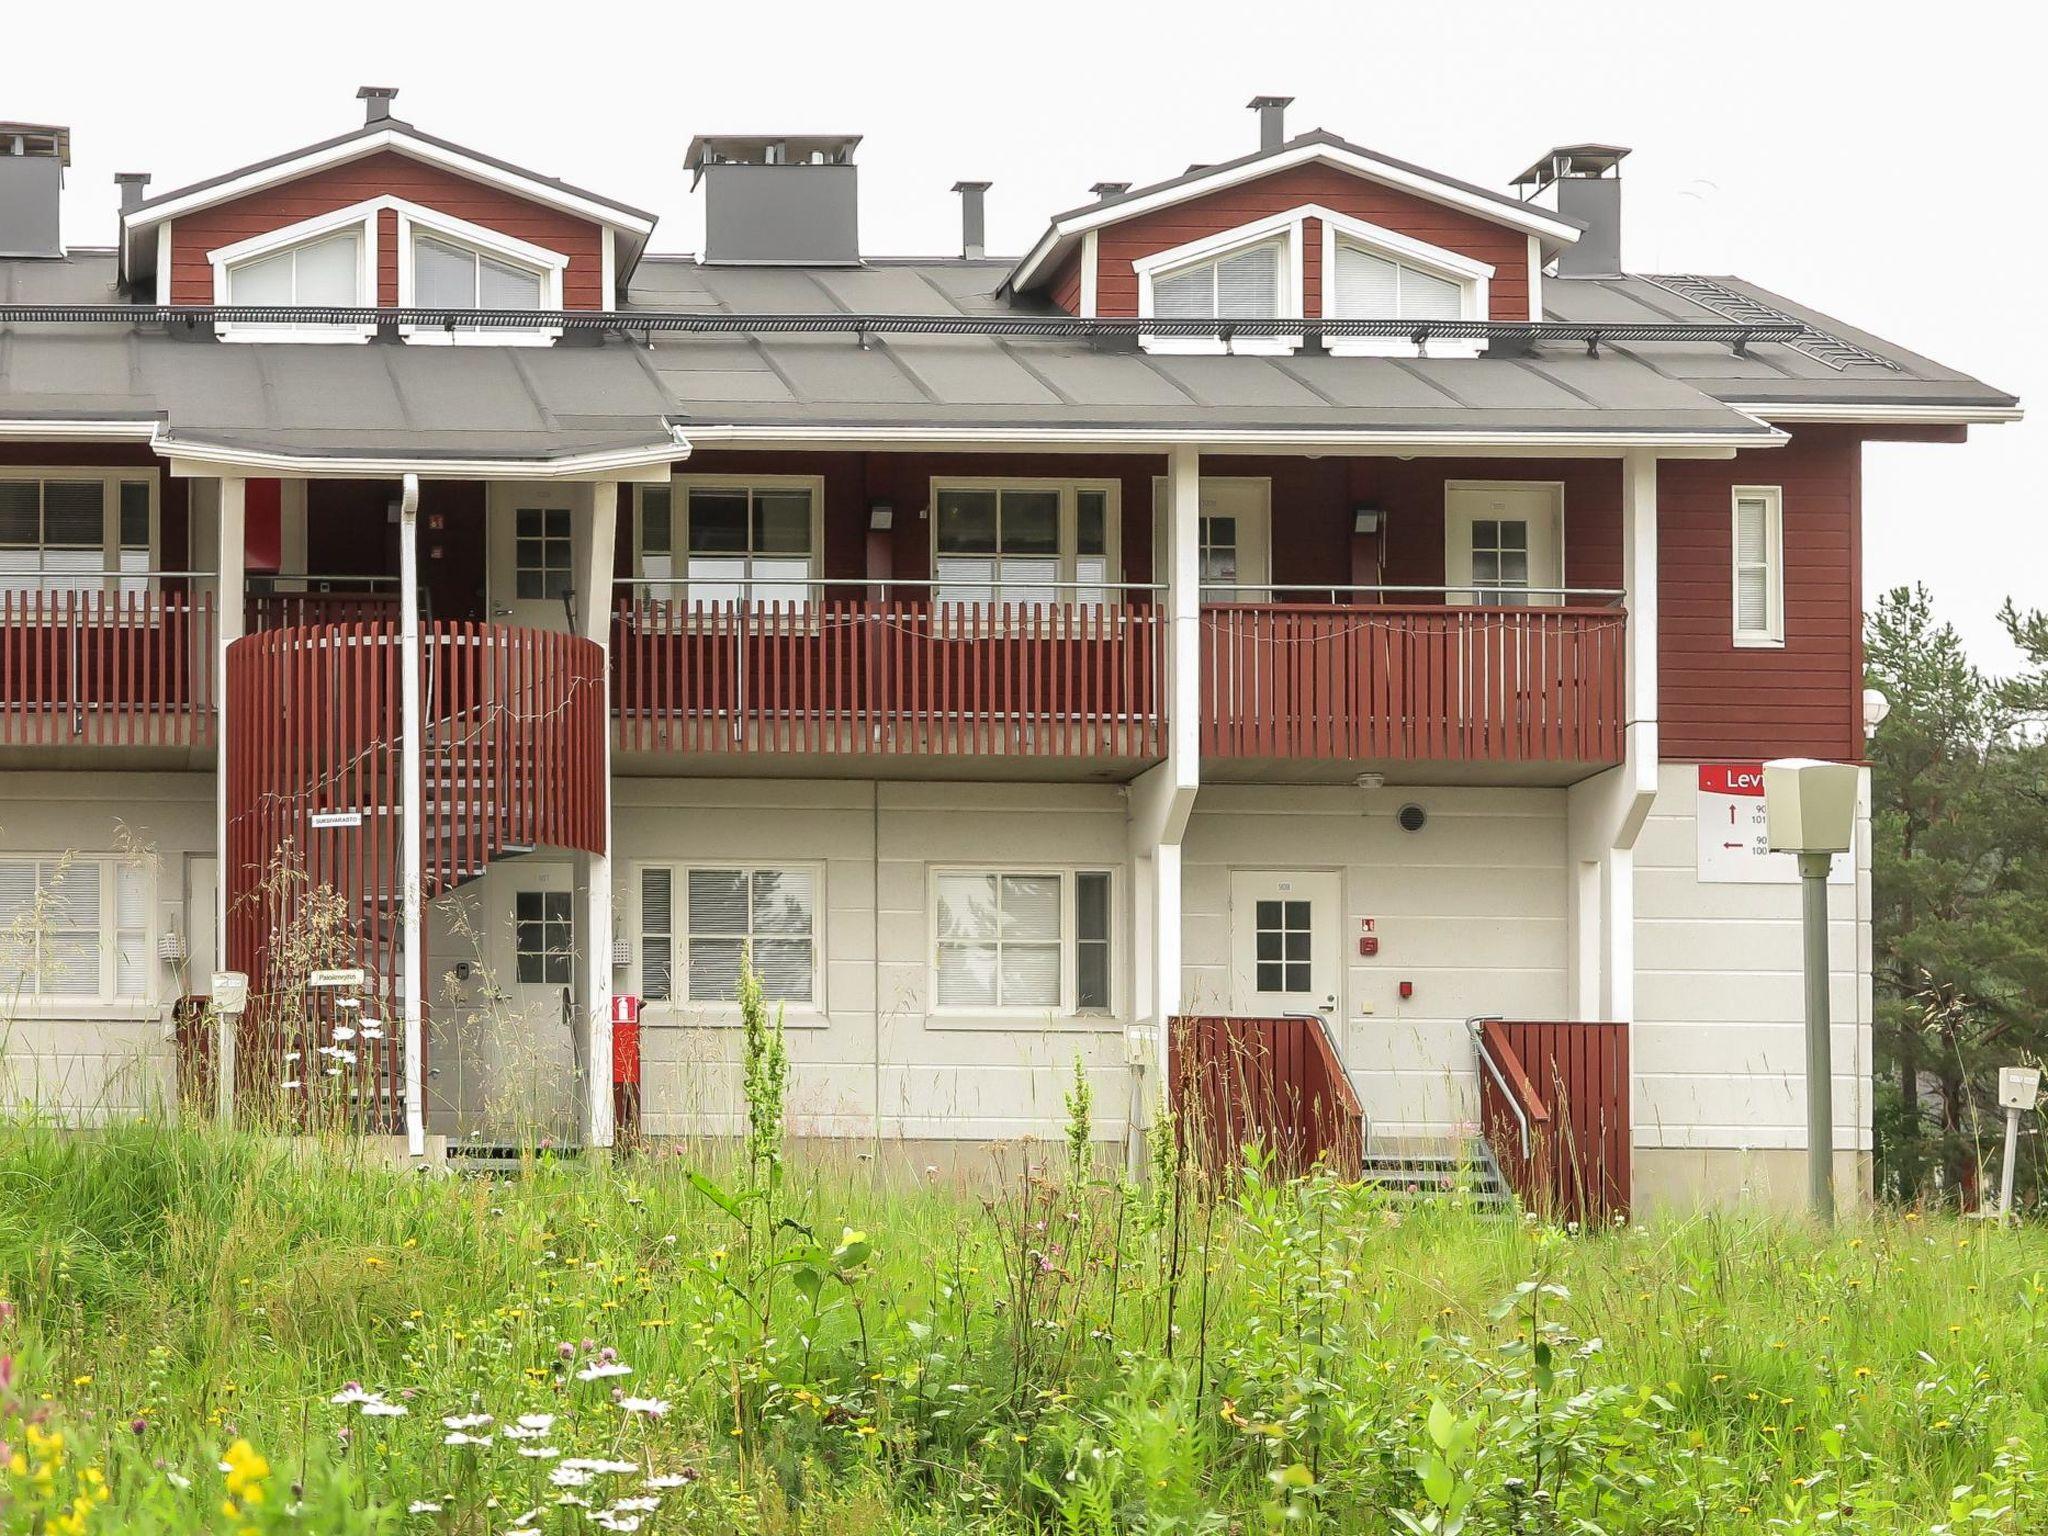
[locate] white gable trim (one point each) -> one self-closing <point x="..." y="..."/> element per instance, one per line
<point x="1527" y="217"/>
<point x="404" y="143"/>
<point x="1472" y="278"/>
<point x="1287" y="225"/>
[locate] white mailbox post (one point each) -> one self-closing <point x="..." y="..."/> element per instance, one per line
<point x="1811" y="810"/>
<point x="2019" y="1089"/>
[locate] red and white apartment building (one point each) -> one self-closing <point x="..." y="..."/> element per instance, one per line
<point x="1311" y="597"/>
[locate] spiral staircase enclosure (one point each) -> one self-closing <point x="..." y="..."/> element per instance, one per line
<point x="513" y="758"/>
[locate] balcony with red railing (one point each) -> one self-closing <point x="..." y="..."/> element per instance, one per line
<point x="125" y="663"/>
<point x="1055" y="672"/>
<point x="1326" y="680"/>
<point x="1554" y="1107"/>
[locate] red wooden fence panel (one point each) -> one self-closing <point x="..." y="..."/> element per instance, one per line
<point x="890" y="675"/>
<point x="1276" y="1083"/>
<point x="106" y="669"/>
<point x="1571" y="1083"/>
<point x="1412" y="682"/>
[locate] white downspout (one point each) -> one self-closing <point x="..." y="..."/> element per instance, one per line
<point x="412" y="762"/>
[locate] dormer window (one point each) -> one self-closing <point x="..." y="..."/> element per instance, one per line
<point x="454" y="277"/>
<point x="327" y="262"/>
<point x="1370" y="273"/>
<point x="451" y="263"/>
<point x="324" y="271"/>
<point x="1241" y="286"/>
<point x="1249" y="273"/>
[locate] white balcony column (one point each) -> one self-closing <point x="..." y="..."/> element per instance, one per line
<point x="229" y="605"/>
<point x="1163" y="797"/>
<point x="1605" y="814"/>
<point x="412" y="823"/>
<point x="596" y="530"/>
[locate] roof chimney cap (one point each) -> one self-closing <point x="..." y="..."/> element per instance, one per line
<point x="1571" y="162"/>
<point x="376" y="100"/>
<point x="1110" y="191"/>
<point x="973" y="219"/>
<point x="133" y="185"/>
<point x="1272" y="112"/>
<point x="708" y="149"/>
<point x="42" y="141"/>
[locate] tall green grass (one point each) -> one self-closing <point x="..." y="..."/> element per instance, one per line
<point x="843" y="1349"/>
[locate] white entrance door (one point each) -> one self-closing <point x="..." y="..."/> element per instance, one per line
<point x="532" y="568"/>
<point x="1236" y="533"/>
<point x="1500" y="540"/>
<point x="1285" y="943"/>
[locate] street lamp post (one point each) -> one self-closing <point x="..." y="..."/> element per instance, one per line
<point x="1811" y="810"/>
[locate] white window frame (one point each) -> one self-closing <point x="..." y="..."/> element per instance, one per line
<point x="1066" y="1011"/>
<point x="361" y="217"/>
<point x="678" y="1007"/>
<point x="1286" y="227"/>
<point x="1069" y="528"/>
<point x="111" y="480"/>
<point x="475" y="238"/>
<point x="1472" y="277"/>
<point x="679" y="488"/>
<point x="107" y="993"/>
<point x="1772" y="635"/>
<point x="364" y="216"/>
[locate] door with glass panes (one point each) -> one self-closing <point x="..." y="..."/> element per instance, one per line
<point x="1503" y="543"/>
<point x="1234" y="529"/>
<point x="1284" y="939"/>
<point x="524" y="1081"/>
<point x="532" y="555"/>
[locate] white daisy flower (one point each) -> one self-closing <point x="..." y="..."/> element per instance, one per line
<point x="566" y="1476"/>
<point x="466" y="1420"/>
<point x="458" y="1437"/>
<point x="540" y="1421"/>
<point x="653" y="1407"/>
<point x="667" y="1480"/>
<point x="377" y="1408"/>
<point x="643" y="1505"/>
<point x="597" y="1370"/>
<point x="423" y="1507"/>
<point x="539" y="1452"/>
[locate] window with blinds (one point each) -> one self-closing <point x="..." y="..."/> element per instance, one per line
<point x="73" y="927"/>
<point x="1245" y="285"/>
<point x="1031" y="544"/>
<point x="328" y="270"/>
<point x="1757" y="544"/>
<point x="1369" y="286"/>
<point x="728" y="542"/>
<point x="76" y="534"/>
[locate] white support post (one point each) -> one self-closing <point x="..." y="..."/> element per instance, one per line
<point x="596" y="543"/>
<point x="1605" y="814"/>
<point x="229" y="604"/>
<point x="412" y="760"/>
<point x="1163" y="798"/>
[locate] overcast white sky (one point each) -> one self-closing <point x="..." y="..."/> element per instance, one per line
<point x="1874" y="160"/>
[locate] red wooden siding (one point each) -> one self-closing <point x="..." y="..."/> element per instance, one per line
<point x="1065" y="287"/>
<point x="339" y="186"/>
<point x="1505" y="250"/>
<point x="1436" y="683"/>
<point x="106" y="669"/>
<point x="1571" y="1083"/>
<point x="1272" y="1083"/>
<point x="891" y="675"/>
<point x="1720" y="701"/>
<point x="513" y="756"/>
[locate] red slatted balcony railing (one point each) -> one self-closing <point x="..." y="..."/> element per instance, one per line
<point x="902" y="673"/>
<point x="366" y="603"/>
<point x="1272" y="1083"/>
<point x="105" y="668"/>
<point x="1433" y="681"/>
<point x="1554" y="1106"/>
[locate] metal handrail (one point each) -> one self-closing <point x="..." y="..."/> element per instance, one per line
<point x="1477" y="1028"/>
<point x="82" y="579"/>
<point x="1322" y="1024"/>
<point x="919" y="584"/>
<point x="1382" y="589"/>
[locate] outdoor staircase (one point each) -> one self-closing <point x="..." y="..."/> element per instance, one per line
<point x="1471" y="1175"/>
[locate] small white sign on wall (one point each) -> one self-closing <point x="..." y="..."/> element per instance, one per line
<point x="1734" y="833"/>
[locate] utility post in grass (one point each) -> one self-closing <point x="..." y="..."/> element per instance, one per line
<point x="1810" y="808"/>
<point x="2019" y="1089"/>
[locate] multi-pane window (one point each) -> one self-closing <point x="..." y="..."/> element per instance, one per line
<point x="1500" y="560"/>
<point x="1244" y="285"/>
<point x="1759" y="579"/>
<point x="323" y="271"/>
<point x="1374" y="287"/>
<point x="737" y="543"/>
<point x="544" y="936"/>
<point x="62" y="534"/>
<point x="1017" y="543"/>
<point x="693" y="951"/>
<point x="1282" y="930"/>
<point x="1013" y="939"/>
<point x="73" y="927"/>
<point x="542" y="552"/>
<point x="450" y="276"/>
<point x="1219" y="552"/>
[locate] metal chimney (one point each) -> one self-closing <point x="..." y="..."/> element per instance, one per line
<point x="133" y="185"/>
<point x="376" y="100"/>
<point x="787" y="199"/>
<point x="32" y="161"/>
<point x="1585" y="182"/>
<point x="1110" y="191"/>
<point x="973" y="218"/>
<point x="1272" y="112"/>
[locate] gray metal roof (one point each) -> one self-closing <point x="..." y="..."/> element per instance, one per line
<point x="536" y="403"/>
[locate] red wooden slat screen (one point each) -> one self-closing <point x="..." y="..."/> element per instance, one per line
<point x="1412" y="682"/>
<point x="513" y="755"/>
<point x="289" y="610"/>
<point x="106" y="669"/>
<point x="1571" y="1082"/>
<point x="889" y="675"/>
<point x="1276" y="1083"/>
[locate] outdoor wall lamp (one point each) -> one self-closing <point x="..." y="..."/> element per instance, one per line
<point x="1366" y="519"/>
<point x="881" y="516"/>
<point x="1810" y="810"/>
